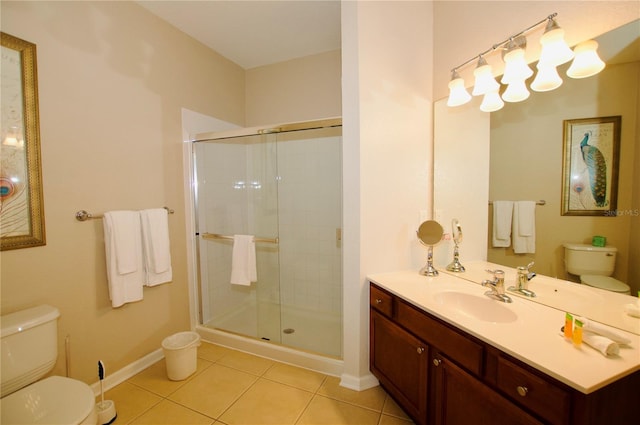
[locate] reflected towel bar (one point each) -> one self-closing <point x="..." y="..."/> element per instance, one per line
<point x="217" y="236"/>
<point x="540" y="202"/>
<point x="83" y="215"/>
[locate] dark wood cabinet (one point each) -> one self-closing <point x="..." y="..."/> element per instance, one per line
<point x="443" y="376"/>
<point x="400" y="361"/>
<point x="461" y="399"/>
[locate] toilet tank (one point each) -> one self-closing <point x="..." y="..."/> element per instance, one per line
<point x="29" y="346"/>
<point x="583" y="259"/>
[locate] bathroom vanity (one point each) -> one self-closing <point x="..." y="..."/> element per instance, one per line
<point x="450" y="355"/>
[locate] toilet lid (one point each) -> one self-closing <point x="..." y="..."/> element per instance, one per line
<point x="54" y="400"/>
<point x="605" y="282"/>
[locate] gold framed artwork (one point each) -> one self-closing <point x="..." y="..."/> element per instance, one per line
<point x="590" y="166"/>
<point x="21" y="202"/>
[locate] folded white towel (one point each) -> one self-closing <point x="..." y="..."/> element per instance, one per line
<point x="156" y="247"/>
<point x="600" y="343"/>
<point x="524" y="227"/>
<point x="123" y="249"/>
<point x="243" y="260"/>
<point x="502" y="213"/>
<point x="603" y="330"/>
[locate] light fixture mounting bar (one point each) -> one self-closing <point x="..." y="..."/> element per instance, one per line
<point x="502" y="43"/>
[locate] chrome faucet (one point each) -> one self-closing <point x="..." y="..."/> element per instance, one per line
<point x="497" y="286"/>
<point x="522" y="281"/>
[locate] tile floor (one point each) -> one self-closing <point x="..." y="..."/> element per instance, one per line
<point x="231" y="387"/>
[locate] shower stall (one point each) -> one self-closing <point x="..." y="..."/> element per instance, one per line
<point x="283" y="186"/>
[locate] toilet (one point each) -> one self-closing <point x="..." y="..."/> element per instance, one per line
<point x="594" y="265"/>
<point x="29" y="352"/>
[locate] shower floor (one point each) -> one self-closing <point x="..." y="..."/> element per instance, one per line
<point x="314" y="331"/>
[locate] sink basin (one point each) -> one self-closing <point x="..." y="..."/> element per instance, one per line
<point x="476" y="307"/>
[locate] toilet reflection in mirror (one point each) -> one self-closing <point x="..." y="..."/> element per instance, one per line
<point x="430" y="233"/>
<point x="456" y="235"/>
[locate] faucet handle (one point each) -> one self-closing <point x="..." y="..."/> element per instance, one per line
<point x="527" y="267"/>
<point x="498" y="274"/>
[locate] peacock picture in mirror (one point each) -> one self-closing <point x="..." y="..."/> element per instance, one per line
<point x="21" y="203"/>
<point x="590" y="166"/>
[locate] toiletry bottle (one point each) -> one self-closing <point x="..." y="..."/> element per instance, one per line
<point x="577" y="333"/>
<point x="568" y="326"/>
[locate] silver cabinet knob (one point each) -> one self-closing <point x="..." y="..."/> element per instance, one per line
<point x="378" y="301"/>
<point x="436" y="362"/>
<point x="522" y="390"/>
<point x="420" y="350"/>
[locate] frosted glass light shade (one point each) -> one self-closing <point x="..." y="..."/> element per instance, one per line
<point x="515" y="67"/>
<point x="491" y="102"/>
<point x="458" y="94"/>
<point x="547" y="78"/>
<point x="516" y="92"/>
<point x="554" y="49"/>
<point x="484" y="82"/>
<point x="587" y="62"/>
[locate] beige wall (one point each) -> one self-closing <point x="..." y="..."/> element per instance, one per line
<point x="112" y="81"/>
<point x="530" y="153"/>
<point x="297" y="90"/>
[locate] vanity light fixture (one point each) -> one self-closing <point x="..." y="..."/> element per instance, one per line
<point x="484" y="83"/>
<point x="458" y="94"/>
<point x="587" y="62"/>
<point x="554" y="52"/>
<point x="491" y="102"/>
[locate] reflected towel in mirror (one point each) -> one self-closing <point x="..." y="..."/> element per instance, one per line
<point x="502" y="213"/>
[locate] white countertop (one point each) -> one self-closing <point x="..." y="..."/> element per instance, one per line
<point x="531" y="334"/>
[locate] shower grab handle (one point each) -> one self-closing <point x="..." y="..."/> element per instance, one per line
<point x="217" y="236"/>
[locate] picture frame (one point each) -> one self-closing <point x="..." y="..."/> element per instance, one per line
<point x="21" y="200"/>
<point x="590" y="166"/>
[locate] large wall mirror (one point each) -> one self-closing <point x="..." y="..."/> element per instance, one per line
<point x="517" y="154"/>
<point x="21" y="204"/>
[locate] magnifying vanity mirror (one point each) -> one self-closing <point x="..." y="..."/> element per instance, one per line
<point x="430" y="233"/>
<point x="517" y="154"/>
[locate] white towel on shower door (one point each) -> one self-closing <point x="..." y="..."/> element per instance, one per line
<point x="243" y="260"/>
<point x="123" y="251"/>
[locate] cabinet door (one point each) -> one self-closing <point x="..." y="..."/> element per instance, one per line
<point x="400" y="361"/>
<point x="460" y="399"/>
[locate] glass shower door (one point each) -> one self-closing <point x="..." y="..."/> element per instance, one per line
<point x="285" y="189"/>
<point x="237" y="194"/>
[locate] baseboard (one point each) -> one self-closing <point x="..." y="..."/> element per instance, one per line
<point x="128" y="371"/>
<point x="358" y="383"/>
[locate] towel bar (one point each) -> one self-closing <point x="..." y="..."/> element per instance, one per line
<point x="217" y="236"/>
<point x="540" y="202"/>
<point x="83" y="215"/>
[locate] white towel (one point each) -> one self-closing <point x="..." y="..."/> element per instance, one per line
<point x="123" y="249"/>
<point x="502" y="213"/>
<point x="524" y="227"/>
<point x="603" y="344"/>
<point x="243" y="260"/>
<point x="156" y="248"/>
<point x="603" y="330"/>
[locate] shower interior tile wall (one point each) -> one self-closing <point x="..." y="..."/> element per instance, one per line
<point x="310" y="216"/>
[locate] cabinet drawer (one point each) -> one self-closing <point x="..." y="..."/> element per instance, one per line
<point x="533" y="392"/>
<point x="464" y="351"/>
<point x="381" y="300"/>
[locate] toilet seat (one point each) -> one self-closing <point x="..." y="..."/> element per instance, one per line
<point x="53" y="400"/>
<point x="605" y="282"/>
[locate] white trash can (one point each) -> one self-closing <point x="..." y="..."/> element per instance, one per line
<point x="181" y="354"/>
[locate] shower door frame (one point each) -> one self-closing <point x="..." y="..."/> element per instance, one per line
<point x="333" y="365"/>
